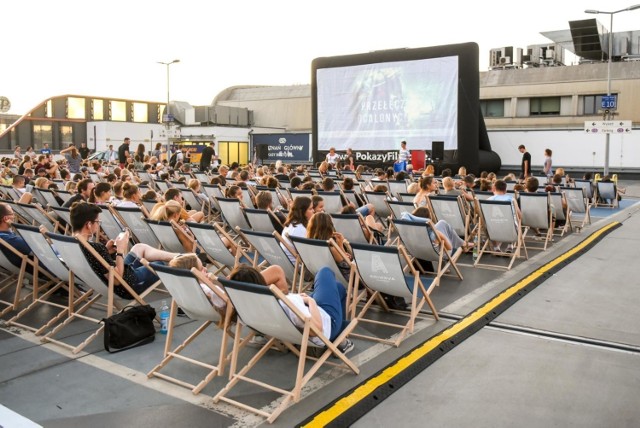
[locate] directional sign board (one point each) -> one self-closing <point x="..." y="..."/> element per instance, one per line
<point x="609" y="102"/>
<point x="607" y="127"/>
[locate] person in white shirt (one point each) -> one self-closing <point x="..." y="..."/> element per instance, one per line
<point x="296" y="224"/>
<point x="332" y="157"/>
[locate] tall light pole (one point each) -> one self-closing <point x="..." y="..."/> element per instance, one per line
<point x="609" y="55"/>
<point x="167" y="115"/>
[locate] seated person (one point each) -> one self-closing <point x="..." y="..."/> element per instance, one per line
<point x="325" y="306"/>
<point x="7" y="217"/>
<point x="296" y="223"/>
<point x="264" y="201"/>
<point x="192" y="215"/>
<point x="86" y="223"/>
<point x="321" y="227"/>
<point x="373" y="226"/>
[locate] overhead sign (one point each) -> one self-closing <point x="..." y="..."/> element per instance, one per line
<point x="607" y="127"/>
<point x="285" y="147"/>
<point x="609" y="102"/>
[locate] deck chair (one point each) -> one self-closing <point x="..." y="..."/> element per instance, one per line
<point x="259" y="220"/>
<point x="587" y="185"/>
<point x="267" y="246"/>
<point x="417" y="242"/>
<point x="49" y="197"/>
<point x="63" y="214"/>
<point x="232" y="213"/>
<point x="500" y="223"/>
<point x="382" y="270"/>
<point x="38" y="197"/>
<point x="352" y="197"/>
<point x="64" y="195"/>
<point x="542" y="179"/>
<point x="352" y="228"/>
<point x="560" y="215"/>
<point x="332" y="202"/>
<point x="167" y="236"/>
<point x="209" y="240"/>
<point x="70" y="250"/>
<point x="294" y="193"/>
<point x="579" y="205"/>
<point x="202" y="177"/>
<point x="39" y="216"/>
<point x="315" y="254"/>
<point x="451" y="209"/>
<point x="133" y="218"/>
<point x="537" y="214"/>
<point x="482" y="195"/>
<point x="261" y="309"/>
<point x="396" y="187"/>
<point x="606" y="194"/>
<point x="184" y="287"/>
<point x="44" y="255"/>
<point x="22" y="215"/>
<point x="379" y="201"/>
<point x="179" y="184"/>
<point x="192" y="200"/>
<point x="110" y="222"/>
<point x="162" y="186"/>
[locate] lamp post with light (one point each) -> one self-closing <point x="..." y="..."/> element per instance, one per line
<point x="610" y="55"/>
<point x="167" y="114"/>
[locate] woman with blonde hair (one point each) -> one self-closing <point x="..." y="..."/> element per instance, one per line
<point x="167" y="211"/>
<point x="71" y="186"/>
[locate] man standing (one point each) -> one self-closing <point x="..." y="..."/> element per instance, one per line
<point x="112" y="155"/>
<point x="123" y="152"/>
<point x="208" y="155"/>
<point x="404" y="155"/>
<point x="349" y="162"/>
<point x="84" y="151"/>
<point x="526" y="162"/>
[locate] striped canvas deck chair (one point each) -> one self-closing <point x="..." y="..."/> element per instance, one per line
<point x="70" y="250"/>
<point x="44" y="255"/>
<point x="382" y="270"/>
<point x="451" y="210"/>
<point x="261" y="309"/>
<point x="500" y="223"/>
<point x="418" y="240"/>
<point x="606" y="194"/>
<point x="579" y="205"/>
<point x="187" y="293"/>
<point x="537" y="215"/>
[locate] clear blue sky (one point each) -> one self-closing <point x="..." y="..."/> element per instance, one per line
<point x="110" y="49"/>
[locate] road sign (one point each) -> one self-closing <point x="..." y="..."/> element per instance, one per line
<point x="607" y="127"/>
<point x="609" y="102"/>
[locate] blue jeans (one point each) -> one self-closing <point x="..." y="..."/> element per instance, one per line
<point x="145" y="278"/>
<point x="331" y="296"/>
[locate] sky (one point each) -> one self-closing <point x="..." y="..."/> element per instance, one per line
<point x="111" y="49"/>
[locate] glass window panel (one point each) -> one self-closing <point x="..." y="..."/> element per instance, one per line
<point x="97" y="110"/>
<point x="42" y="134"/>
<point x="66" y="135"/>
<point x="49" y="109"/>
<point x="118" y="110"/>
<point x="589" y="104"/>
<point x="140" y="112"/>
<point x="492" y="108"/>
<point x="75" y="108"/>
<point x="544" y="106"/>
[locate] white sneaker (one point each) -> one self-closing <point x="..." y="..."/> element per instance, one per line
<point x="258" y="340"/>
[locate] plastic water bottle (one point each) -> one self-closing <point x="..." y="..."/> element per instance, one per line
<point x="475" y="247"/>
<point x="164" y="317"/>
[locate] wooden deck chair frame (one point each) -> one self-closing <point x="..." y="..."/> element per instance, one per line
<point x="537" y="214"/>
<point x="209" y="241"/>
<point x="556" y="199"/>
<point x="451" y="209"/>
<point x="499" y="222"/>
<point x="260" y="309"/>
<point x="382" y="270"/>
<point x="268" y="246"/>
<point x="133" y="218"/>
<point x="606" y="190"/>
<point x="417" y="242"/>
<point x="69" y="249"/>
<point x="45" y="256"/>
<point x="579" y="205"/>
<point x="315" y="254"/>
<point x="186" y="292"/>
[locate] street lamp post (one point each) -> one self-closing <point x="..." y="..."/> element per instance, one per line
<point x="167" y="114"/>
<point x="609" y="55"/>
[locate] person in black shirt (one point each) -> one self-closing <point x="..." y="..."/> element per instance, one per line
<point x="123" y="152"/>
<point x="208" y="155"/>
<point x="526" y="162"/>
<point x="84" y="151"/>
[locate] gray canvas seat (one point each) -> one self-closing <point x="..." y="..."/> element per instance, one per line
<point x="209" y="239"/>
<point x="332" y="202"/>
<point x="167" y="236"/>
<point x="537" y="215"/>
<point x="316" y="254"/>
<point x="259" y="220"/>
<point x="133" y="218"/>
<point x="606" y="194"/>
<point x="351" y="226"/>
<point x="558" y="199"/>
<point x="232" y="213"/>
<point x="451" y="210"/>
<point x="579" y="205"/>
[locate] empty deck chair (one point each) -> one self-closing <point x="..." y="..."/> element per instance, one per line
<point x="579" y="205"/>
<point x="261" y="309"/>
<point x="316" y="254"/>
<point x="381" y="270"/>
<point x="417" y="238"/>
<point x="451" y="210"/>
<point x="209" y="239"/>
<point x="500" y="223"/>
<point x="536" y="214"/>
<point x="70" y="250"/>
<point x="192" y="200"/>
<point x="44" y="255"/>
<point x="267" y="246"/>
<point x="133" y="218"/>
<point x="396" y="187"/>
<point x="187" y="293"/>
<point x="606" y="194"/>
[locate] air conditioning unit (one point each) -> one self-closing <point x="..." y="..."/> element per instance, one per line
<point x="505" y="60"/>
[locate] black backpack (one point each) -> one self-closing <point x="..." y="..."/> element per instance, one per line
<point x="173" y="159"/>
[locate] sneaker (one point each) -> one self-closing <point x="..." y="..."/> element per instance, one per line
<point x="258" y="340"/>
<point x="346" y="346"/>
<point x="509" y="248"/>
<point x="181" y="313"/>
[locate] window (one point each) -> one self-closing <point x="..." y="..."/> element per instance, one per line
<point x="42" y="134"/>
<point x="492" y="108"/>
<point x="118" y="111"/>
<point x="97" y="109"/>
<point x="544" y="106"/>
<point x="66" y="135"/>
<point x="592" y="103"/>
<point x="140" y="112"/>
<point x="75" y="108"/>
<point x="48" y="109"/>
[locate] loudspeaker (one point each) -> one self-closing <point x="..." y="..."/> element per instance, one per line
<point x="437" y="150"/>
<point x="262" y="151"/>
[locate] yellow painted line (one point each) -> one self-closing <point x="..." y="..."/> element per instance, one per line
<point x="345" y="403"/>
